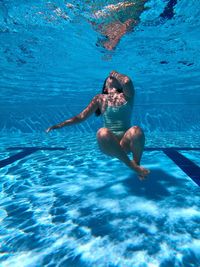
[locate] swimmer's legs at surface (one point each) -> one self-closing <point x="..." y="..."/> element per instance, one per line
<point x="133" y="141"/>
<point x="114" y="31"/>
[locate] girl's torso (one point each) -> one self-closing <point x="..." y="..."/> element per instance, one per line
<point x="115" y="101"/>
<point x="116" y="111"/>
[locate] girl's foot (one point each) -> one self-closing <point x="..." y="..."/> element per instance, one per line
<point x="142" y="172"/>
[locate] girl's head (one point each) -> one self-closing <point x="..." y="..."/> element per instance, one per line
<point x="110" y="82"/>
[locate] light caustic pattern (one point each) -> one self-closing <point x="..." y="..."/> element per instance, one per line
<point x="78" y="207"/>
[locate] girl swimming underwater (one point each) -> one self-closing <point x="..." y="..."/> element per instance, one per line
<point x="117" y="138"/>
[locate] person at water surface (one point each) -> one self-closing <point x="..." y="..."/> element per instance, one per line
<point x="117" y="138"/>
<point x="115" y="20"/>
<point x="112" y="21"/>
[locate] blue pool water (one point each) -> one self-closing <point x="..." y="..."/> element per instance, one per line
<point x="67" y="204"/>
<point x="62" y="201"/>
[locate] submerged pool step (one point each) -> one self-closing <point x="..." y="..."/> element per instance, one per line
<point x="26" y="151"/>
<point x="189" y="167"/>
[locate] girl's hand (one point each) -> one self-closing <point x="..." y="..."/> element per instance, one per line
<point x="49" y="129"/>
<point x="112" y="73"/>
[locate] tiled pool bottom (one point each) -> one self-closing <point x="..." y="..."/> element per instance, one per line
<point x="64" y="203"/>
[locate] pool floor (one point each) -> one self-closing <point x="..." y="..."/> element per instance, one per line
<point x="64" y="203"/>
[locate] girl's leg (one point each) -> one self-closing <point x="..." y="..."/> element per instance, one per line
<point x="109" y="144"/>
<point x="133" y="141"/>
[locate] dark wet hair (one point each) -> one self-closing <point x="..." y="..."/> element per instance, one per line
<point x="104" y="91"/>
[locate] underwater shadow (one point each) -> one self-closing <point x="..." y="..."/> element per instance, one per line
<point x="154" y="187"/>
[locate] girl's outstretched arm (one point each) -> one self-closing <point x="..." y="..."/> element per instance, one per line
<point x="89" y="110"/>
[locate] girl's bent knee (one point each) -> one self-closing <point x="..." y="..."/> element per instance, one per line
<point x="102" y="133"/>
<point x="138" y="130"/>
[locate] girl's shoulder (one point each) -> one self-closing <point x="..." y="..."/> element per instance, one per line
<point x="101" y="97"/>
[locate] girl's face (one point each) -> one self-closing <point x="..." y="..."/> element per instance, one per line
<point x="110" y="83"/>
